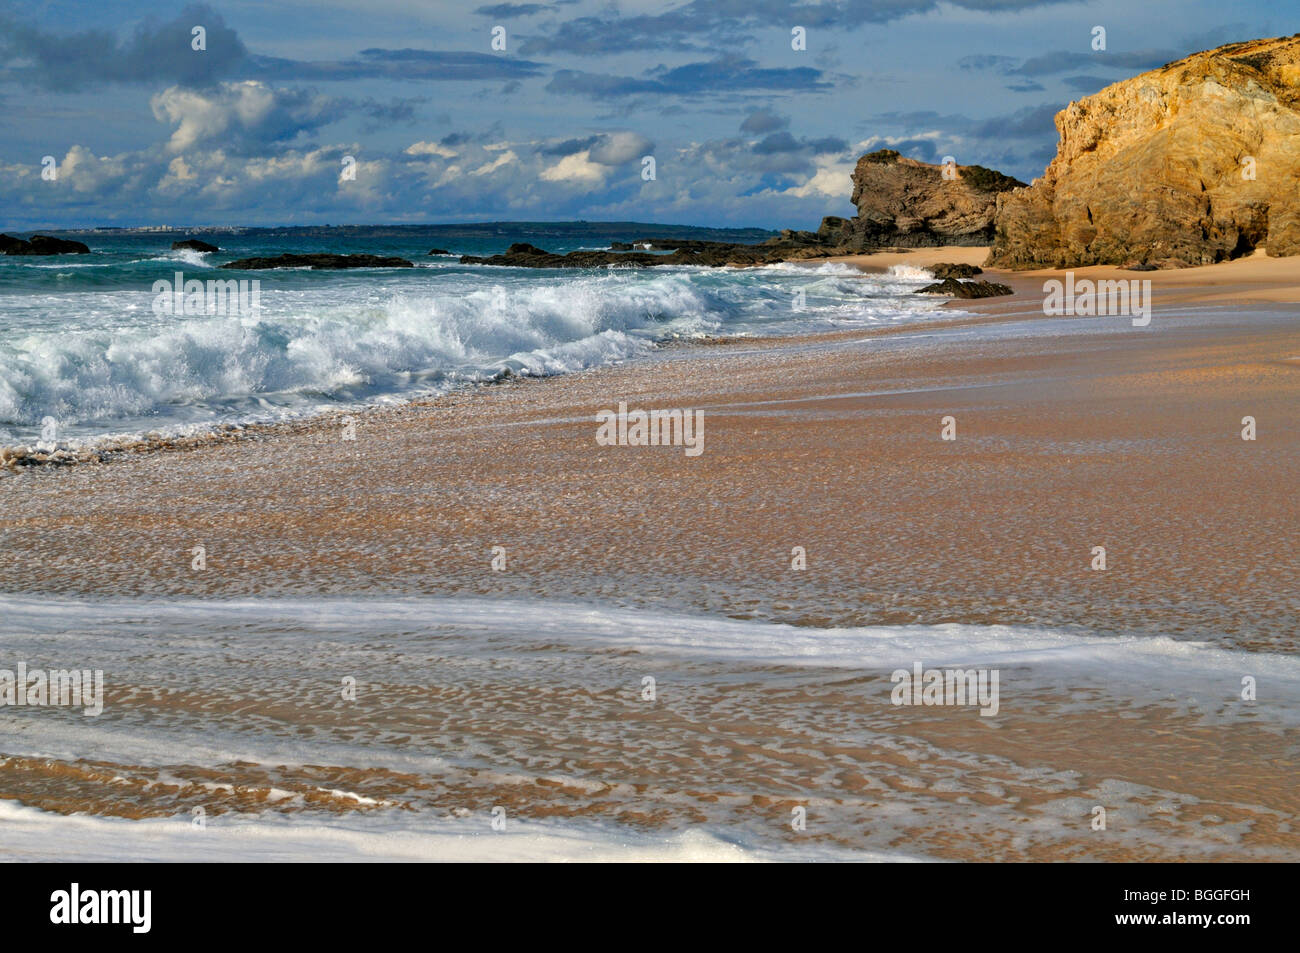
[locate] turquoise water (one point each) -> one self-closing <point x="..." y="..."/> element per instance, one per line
<point x="85" y="349"/>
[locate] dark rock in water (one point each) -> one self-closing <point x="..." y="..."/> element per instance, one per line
<point x="965" y="289"/>
<point x="685" y="252"/>
<point x="41" y="245"/>
<point x="46" y="245"/>
<point x="439" y="251"/>
<point x="319" y="260"/>
<point x="193" y="244"/>
<point x="948" y="269"/>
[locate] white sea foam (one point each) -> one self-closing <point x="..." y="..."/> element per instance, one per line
<point x="189" y="256"/>
<point x="231" y="664"/>
<point x="100" y="362"/>
<point x="391" y="836"/>
<point x="1145" y="667"/>
<point x="910" y="273"/>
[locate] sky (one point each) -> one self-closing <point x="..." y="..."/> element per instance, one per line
<point x="402" y="111"/>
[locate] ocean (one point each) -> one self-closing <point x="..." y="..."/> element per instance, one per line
<point x="83" y="344"/>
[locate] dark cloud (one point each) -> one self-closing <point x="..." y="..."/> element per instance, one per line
<point x="827" y="145"/>
<point x="988" y="61"/>
<point x="154" y="53"/>
<point x="161" y="53"/>
<point x="762" y="121"/>
<point x="404" y="64"/>
<point x="777" y="142"/>
<point x="726" y="74"/>
<point x="568" y="147"/>
<point x="1085" y="84"/>
<point x="1217" y="36"/>
<point x="396" y="110"/>
<point x="712" y="24"/>
<point x="923" y="149"/>
<point x="782" y="142"/>
<point x="1062" y="61"/>
<point x="1032" y="122"/>
<point x="510" y="9"/>
<point x="1026" y="86"/>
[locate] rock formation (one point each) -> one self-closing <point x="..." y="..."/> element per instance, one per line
<point x="41" y="245"/>
<point x="1189" y="164"/>
<point x="965" y="289"/>
<point x="685" y="252"/>
<point x="194" y="244"/>
<point x="948" y="269"/>
<point x="905" y="203"/>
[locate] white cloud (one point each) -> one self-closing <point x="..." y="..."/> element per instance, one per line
<point x="834" y="181"/>
<point x="577" y="167"/>
<point x="504" y="159"/>
<point x="240" y="112"/>
<point x="430" y="149"/>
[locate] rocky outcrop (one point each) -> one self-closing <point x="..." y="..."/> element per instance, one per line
<point x="41" y="245"/>
<point x="909" y="204"/>
<point x="1189" y="164"/>
<point x="965" y="289"/>
<point x="194" y="244"/>
<point x="948" y="269"/>
<point x="685" y="252"/>
<point x="322" y="260"/>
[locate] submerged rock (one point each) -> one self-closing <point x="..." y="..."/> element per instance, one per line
<point x="319" y="260"/>
<point x="1189" y="164"/>
<point x="193" y="244"/>
<point x="439" y="251"/>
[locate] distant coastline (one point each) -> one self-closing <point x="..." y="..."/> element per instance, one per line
<point x="627" y="231"/>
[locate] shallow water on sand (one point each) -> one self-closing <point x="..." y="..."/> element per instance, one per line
<point x="237" y="710"/>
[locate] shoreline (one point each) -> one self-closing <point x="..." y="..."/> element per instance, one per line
<point x="805" y="388"/>
<point x="1254" y="279"/>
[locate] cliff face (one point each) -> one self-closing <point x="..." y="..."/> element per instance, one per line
<point x="1158" y="169"/>
<point x="903" y="202"/>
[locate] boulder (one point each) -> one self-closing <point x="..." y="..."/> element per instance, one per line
<point x="193" y="244"/>
<point x="965" y="289"/>
<point x="948" y="269"/>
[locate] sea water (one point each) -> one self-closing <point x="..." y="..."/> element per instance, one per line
<point x="82" y="344"/>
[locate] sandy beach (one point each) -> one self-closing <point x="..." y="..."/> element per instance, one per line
<point x="1071" y="433"/>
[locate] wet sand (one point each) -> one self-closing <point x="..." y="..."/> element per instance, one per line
<point x="1122" y="437"/>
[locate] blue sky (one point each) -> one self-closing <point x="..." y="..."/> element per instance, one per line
<point x="744" y="130"/>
